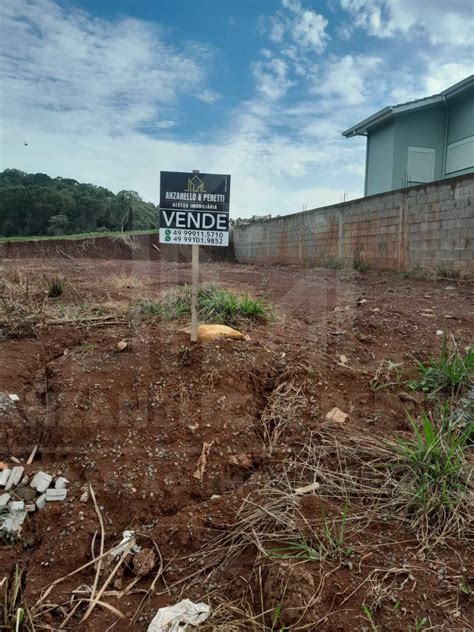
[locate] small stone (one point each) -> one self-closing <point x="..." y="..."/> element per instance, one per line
<point x="4" y="499"/>
<point x="337" y="415"/>
<point x="25" y="493"/>
<point x="55" y="494"/>
<point x="61" y="483"/>
<point x="13" y="523"/>
<point x="143" y="562"/>
<point x="84" y="496"/>
<point x="15" y="477"/>
<point x="41" y="481"/>
<point x="30" y="507"/>
<point x="41" y="501"/>
<point x="14" y="397"/>
<point x="16" y="505"/>
<point x="122" y="345"/>
<point x="4" y="476"/>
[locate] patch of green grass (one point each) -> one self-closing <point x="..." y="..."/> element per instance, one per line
<point x="432" y="467"/>
<point x="448" y="374"/>
<point x="215" y="305"/>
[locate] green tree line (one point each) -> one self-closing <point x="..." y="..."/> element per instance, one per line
<point x="35" y="204"/>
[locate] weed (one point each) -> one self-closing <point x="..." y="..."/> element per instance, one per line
<point x="13" y="613"/>
<point x="361" y="266"/>
<point x="331" y="542"/>
<point x="462" y="416"/>
<point x="419" y="624"/>
<point x="447" y="273"/>
<point x="432" y="467"/>
<point x="55" y="287"/>
<point x="332" y="263"/>
<point x="215" y="305"/>
<point x="387" y="374"/>
<point x="334" y="534"/>
<point x="276" y="615"/>
<point x="370" y="617"/>
<point x="297" y="550"/>
<point x="450" y="373"/>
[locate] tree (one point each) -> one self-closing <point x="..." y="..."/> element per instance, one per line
<point x="35" y="204"/>
<point x="58" y="225"/>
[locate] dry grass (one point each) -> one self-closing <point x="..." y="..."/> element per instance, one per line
<point x="375" y="474"/>
<point x="284" y="405"/>
<point x="22" y="300"/>
<point x="126" y="281"/>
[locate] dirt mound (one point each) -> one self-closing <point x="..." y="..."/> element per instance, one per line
<point x="144" y="246"/>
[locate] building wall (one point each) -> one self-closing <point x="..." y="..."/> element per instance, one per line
<point x="379" y="160"/>
<point x="461" y="128"/>
<point x="461" y="117"/>
<point x="425" y="227"/>
<point x="423" y="128"/>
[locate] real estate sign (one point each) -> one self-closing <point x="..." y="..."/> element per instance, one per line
<point x="194" y="208"/>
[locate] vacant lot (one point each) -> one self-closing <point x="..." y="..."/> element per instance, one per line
<point x="220" y="458"/>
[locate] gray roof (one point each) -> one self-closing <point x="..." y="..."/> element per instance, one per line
<point x="392" y="110"/>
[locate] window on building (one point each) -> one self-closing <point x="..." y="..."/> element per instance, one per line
<point x="420" y="166"/>
<point x="460" y="155"/>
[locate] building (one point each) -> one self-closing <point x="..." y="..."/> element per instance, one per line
<point x="419" y="141"/>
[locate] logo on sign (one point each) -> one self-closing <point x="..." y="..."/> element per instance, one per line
<point x="167" y="235"/>
<point x="195" y="185"/>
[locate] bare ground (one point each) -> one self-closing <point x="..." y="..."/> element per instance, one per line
<point x="133" y="425"/>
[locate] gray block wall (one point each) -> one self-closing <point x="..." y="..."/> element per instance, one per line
<point x="426" y="227"/>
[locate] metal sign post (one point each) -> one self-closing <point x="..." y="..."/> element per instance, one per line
<point x="194" y="210"/>
<point x="194" y="287"/>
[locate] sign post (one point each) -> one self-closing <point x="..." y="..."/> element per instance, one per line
<point x="194" y="210"/>
<point x="194" y="288"/>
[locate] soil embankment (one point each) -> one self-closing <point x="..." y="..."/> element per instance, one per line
<point x="143" y="246"/>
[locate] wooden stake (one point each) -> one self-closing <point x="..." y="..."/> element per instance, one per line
<point x="194" y="292"/>
<point x="194" y="287"/>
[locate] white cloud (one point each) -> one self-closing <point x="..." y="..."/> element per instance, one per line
<point x="305" y="27"/>
<point x="208" y="96"/>
<point x="346" y="78"/>
<point x="440" y="21"/>
<point x="272" y="78"/>
<point x="86" y="93"/>
<point x="439" y="77"/>
<point x="64" y="69"/>
<point x="309" y="30"/>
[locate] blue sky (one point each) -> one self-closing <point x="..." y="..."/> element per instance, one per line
<point x="113" y="91"/>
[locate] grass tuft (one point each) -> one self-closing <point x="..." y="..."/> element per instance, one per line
<point x="448" y="374"/>
<point x="55" y="287"/>
<point x="432" y="467"/>
<point x="215" y="305"/>
<point x="14" y="615"/>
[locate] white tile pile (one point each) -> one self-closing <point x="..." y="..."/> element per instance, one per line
<point x="21" y="494"/>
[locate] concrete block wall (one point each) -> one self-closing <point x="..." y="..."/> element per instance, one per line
<point x="426" y="227"/>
